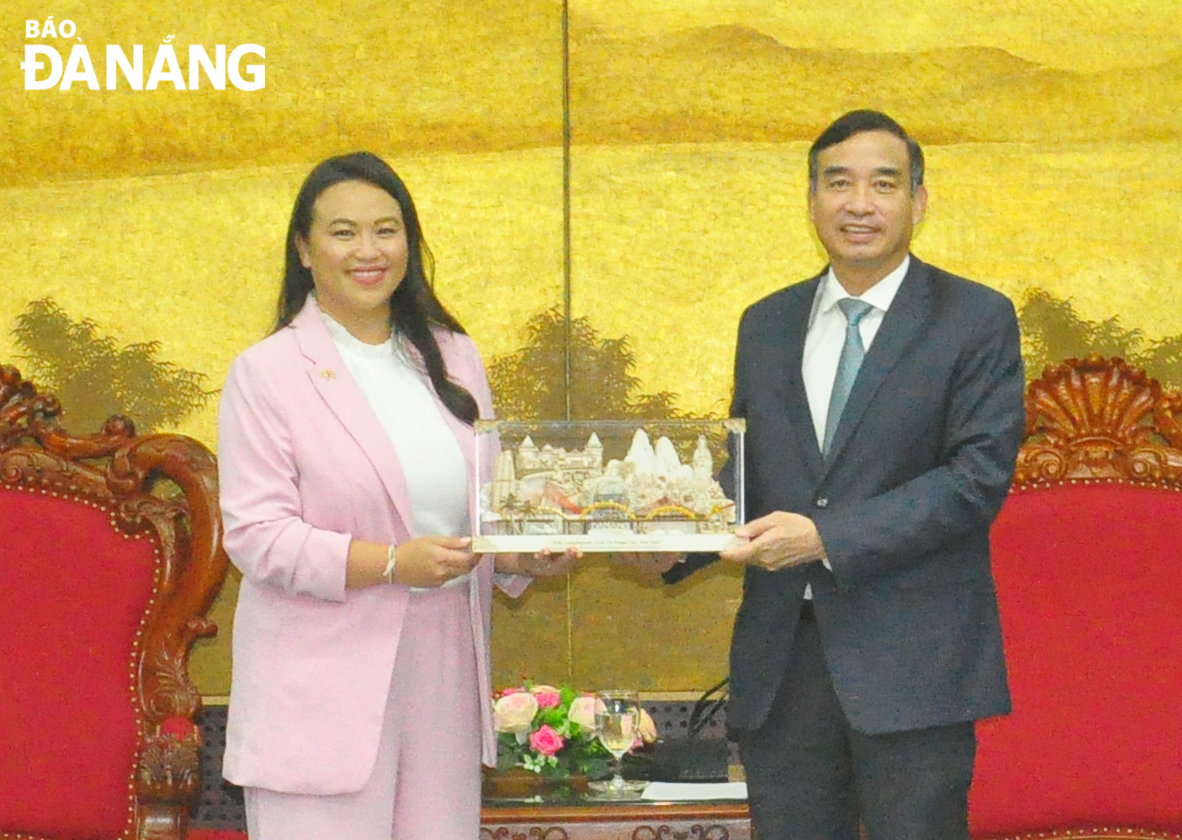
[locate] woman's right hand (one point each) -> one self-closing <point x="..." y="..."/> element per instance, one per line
<point x="432" y="561"/>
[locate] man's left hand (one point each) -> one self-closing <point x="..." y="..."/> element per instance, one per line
<point x="777" y="541"/>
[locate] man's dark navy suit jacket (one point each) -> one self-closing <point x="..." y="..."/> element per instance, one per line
<point x="919" y="468"/>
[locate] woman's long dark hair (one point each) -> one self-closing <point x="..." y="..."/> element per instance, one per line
<point x="414" y="309"/>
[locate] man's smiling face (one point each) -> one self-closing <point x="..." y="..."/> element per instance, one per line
<point x="863" y="208"/>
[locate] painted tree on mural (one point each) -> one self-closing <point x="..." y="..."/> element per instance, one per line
<point x="94" y="377"/>
<point x="528" y="384"/>
<point x="1053" y="333"/>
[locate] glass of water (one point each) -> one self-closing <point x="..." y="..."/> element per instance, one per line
<point x="617" y="725"/>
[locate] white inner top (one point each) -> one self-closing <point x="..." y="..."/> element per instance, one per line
<point x="428" y="452"/>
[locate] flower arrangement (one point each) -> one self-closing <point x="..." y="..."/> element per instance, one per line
<point x="551" y="731"/>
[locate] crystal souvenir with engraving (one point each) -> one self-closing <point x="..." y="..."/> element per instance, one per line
<point x="607" y="485"/>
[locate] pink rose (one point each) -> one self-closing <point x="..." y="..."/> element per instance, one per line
<point x="582" y="712"/>
<point x="547" y="697"/>
<point x="514" y="712"/>
<point x="515" y="690"/>
<point x="546" y="740"/>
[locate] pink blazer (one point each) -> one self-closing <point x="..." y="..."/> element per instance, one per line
<point x="305" y="467"/>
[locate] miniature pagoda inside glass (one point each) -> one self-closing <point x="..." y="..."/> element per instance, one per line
<point x="635" y="485"/>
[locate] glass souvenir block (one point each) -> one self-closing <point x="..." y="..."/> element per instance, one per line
<point x="607" y="485"/>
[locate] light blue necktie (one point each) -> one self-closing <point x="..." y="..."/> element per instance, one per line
<point x="852" y="352"/>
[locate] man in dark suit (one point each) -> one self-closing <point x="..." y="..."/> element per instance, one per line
<point x="884" y="412"/>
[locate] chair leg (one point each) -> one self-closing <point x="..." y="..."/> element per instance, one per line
<point x="158" y="821"/>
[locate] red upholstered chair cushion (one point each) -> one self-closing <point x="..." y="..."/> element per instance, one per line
<point x="69" y="735"/>
<point x="1089" y="581"/>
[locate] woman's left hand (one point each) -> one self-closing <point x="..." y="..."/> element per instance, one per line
<point x="543" y="564"/>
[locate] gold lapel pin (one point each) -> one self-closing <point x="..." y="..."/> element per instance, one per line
<point x="327" y="374"/>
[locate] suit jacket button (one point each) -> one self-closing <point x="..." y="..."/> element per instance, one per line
<point x="822" y="502"/>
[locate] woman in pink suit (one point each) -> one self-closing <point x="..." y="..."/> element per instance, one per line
<point x="359" y="705"/>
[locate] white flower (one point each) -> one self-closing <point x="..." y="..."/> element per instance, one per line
<point x="515" y="712"/>
<point x="582" y="712"/>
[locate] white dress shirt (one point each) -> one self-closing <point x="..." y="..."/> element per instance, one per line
<point x="826" y="335"/>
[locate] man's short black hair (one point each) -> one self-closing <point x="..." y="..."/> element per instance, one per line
<point x="858" y="122"/>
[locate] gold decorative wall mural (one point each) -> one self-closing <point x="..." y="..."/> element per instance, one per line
<point x="436" y="76"/>
<point x="150" y="222"/>
<point x="529" y="384"/>
<point x="96" y="378"/>
<point x="1049" y="146"/>
<point x="1052" y="332"/>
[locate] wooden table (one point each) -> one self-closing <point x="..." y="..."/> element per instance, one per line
<point x="575" y="820"/>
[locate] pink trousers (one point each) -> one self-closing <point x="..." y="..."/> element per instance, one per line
<point x="426" y="782"/>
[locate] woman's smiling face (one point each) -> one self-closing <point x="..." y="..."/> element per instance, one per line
<point x="356" y="250"/>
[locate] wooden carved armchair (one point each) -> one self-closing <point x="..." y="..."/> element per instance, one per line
<point x="1088" y="563"/>
<point x="111" y="555"/>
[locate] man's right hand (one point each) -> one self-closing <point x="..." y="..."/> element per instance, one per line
<point x="777" y="541"/>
